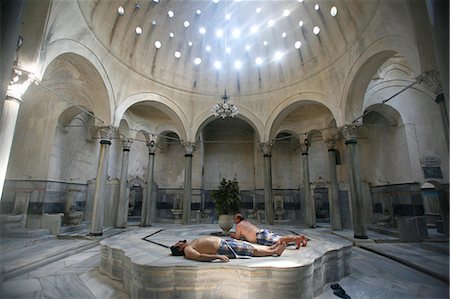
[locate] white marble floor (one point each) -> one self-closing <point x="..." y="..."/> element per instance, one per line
<point x="77" y="275"/>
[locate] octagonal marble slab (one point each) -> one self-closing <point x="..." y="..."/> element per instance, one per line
<point x="147" y="269"/>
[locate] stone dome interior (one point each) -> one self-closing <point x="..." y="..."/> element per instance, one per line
<point x="245" y="47"/>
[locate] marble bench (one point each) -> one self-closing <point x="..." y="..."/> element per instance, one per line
<point x="147" y="270"/>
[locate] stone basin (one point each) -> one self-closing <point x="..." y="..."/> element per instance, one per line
<point x="140" y="260"/>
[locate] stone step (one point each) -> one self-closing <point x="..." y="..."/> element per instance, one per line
<point x="25" y="233"/>
<point x="390" y="231"/>
<point x="73" y="228"/>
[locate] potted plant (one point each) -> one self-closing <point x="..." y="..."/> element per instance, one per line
<point x="228" y="203"/>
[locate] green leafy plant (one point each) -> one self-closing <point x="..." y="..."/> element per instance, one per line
<point x="226" y="197"/>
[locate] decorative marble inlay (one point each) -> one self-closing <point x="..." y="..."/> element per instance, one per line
<point x="148" y="270"/>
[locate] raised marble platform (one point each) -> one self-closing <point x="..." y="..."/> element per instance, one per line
<point x="148" y="270"/>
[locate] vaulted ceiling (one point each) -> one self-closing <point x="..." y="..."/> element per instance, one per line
<point x="246" y="47"/>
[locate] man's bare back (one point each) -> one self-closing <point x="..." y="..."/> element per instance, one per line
<point x="246" y="230"/>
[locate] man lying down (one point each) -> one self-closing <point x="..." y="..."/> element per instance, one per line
<point x="209" y="248"/>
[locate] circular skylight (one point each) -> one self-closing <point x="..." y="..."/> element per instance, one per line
<point x="333" y="11"/>
<point x="316" y="30"/>
<point x="228" y="35"/>
<point x="278" y="55"/>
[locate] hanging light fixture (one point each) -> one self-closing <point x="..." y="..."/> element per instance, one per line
<point x="224" y="109"/>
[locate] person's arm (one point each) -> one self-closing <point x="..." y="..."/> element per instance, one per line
<point x="237" y="234"/>
<point x="192" y="254"/>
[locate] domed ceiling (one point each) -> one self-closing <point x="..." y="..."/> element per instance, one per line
<point x="245" y="47"/>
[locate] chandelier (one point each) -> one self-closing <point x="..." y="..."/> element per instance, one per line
<point x="224" y="109"/>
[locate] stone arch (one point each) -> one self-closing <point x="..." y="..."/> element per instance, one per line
<point x="86" y="57"/>
<point x="246" y="115"/>
<point x="290" y="104"/>
<point x="164" y="104"/>
<point x="72" y="136"/>
<point x="366" y="66"/>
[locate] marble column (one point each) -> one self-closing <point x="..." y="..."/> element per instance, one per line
<point x="356" y="195"/>
<point x="266" y="148"/>
<point x="96" y="227"/>
<point x="149" y="205"/>
<point x="189" y="148"/>
<point x="432" y="81"/>
<point x="122" y="211"/>
<point x="333" y="191"/>
<point x="310" y="208"/>
<point x="19" y="84"/>
<point x="440" y="99"/>
<point x="7" y="128"/>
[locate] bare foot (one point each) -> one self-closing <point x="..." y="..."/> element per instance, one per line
<point x="298" y="241"/>
<point x="281" y="248"/>
<point x="304" y="241"/>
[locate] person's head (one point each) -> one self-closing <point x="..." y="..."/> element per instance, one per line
<point x="238" y="218"/>
<point x="178" y="248"/>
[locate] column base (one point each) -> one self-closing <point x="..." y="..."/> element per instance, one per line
<point x="360" y="237"/>
<point x="95" y="234"/>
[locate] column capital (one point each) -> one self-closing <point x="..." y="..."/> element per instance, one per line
<point x="126" y="144"/>
<point x="432" y="81"/>
<point x="151" y="145"/>
<point x="350" y="132"/>
<point x="304" y="143"/>
<point x="189" y="148"/>
<point x="331" y="143"/>
<point x="19" y="83"/>
<point x="266" y="148"/>
<point x="106" y="132"/>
